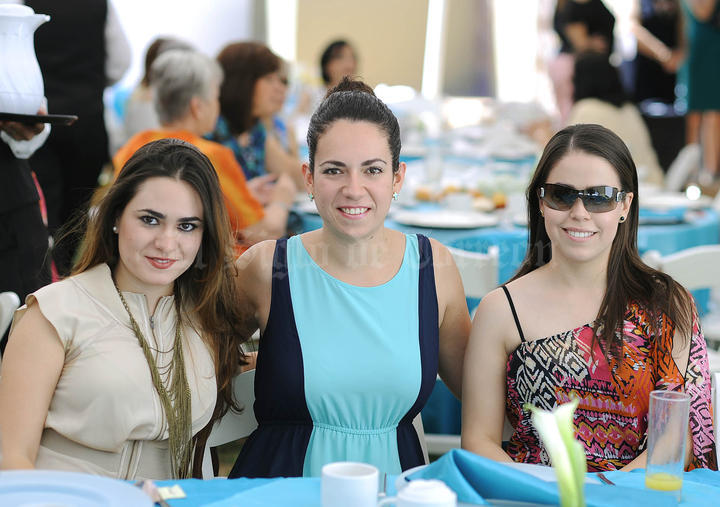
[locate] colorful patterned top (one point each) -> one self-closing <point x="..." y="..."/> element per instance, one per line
<point x="251" y="157"/>
<point x="611" y="419"/>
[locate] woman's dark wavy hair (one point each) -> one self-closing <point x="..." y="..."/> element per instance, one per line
<point x="629" y="280"/>
<point x="331" y="52"/>
<point x="206" y="294"/>
<point x="243" y="64"/>
<point x="355" y="101"/>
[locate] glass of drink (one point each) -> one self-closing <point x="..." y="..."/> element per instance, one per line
<point x="667" y="434"/>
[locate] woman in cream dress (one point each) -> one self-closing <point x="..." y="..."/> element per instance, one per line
<point x="115" y="370"/>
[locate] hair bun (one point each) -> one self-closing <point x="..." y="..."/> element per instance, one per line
<point x="349" y="84"/>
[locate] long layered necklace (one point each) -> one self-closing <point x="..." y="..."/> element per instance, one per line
<point x="175" y="400"/>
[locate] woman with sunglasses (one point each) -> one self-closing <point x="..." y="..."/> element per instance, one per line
<point x="584" y="318"/>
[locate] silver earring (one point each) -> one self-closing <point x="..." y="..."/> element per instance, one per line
<point x="311" y="197"/>
<point x="396" y="196"/>
<point x="115" y="229"/>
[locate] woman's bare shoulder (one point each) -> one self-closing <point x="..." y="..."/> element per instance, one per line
<point x="256" y="262"/>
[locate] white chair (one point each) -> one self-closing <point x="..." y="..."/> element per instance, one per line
<point x="233" y="425"/>
<point x="716" y="202"/>
<point x="695" y="268"/>
<point x="688" y="160"/>
<point x="9" y="302"/>
<point x="478" y="271"/>
<point x="479" y="274"/>
<point x="418" y="424"/>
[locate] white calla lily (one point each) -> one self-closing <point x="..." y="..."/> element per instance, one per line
<point x="567" y="455"/>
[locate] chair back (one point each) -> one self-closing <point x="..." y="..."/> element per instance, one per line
<point x="233" y="425"/>
<point x="9" y="302"/>
<point x="687" y="161"/>
<point x="479" y="271"/>
<point x="694" y="268"/>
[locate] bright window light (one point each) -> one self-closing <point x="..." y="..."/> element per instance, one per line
<point x="281" y="19"/>
<point x="434" y="49"/>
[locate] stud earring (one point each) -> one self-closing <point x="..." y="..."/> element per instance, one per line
<point x="311" y="197"/>
<point x="115" y="229"/>
<point x="396" y="196"/>
<point x="622" y="219"/>
<point x="542" y="214"/>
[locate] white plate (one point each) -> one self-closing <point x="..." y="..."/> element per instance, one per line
<point x="543" y="472"/>
<point x="445" y="219"/>
<point x="520" y="219"/>
<point x="307" y="206"/>
<point x="670" y="200"/>
<point x="55" y="488"/>
<point x="301" y="197"/>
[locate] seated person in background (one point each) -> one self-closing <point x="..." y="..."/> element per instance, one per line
<point x="276" y="125"/>
<point x="139" y="110"/>
<point x="584" y="317"/>
<point x="253" y="90"/>
<point x="355" y="319"/>
<point x="133" y="355"/>
<point x="186" y="85"/>
<point x="337" y="62"/>
<point x="599" y="98"/>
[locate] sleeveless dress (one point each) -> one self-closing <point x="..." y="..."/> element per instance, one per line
<point x="701" y="67"/>
<point x="342" y="370"/>
<point x="611" y="419"/>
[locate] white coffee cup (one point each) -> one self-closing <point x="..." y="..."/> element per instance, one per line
<point x="349" y="484"/>
<point x="423" y="493"/>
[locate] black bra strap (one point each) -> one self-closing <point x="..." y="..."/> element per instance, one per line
<point x="512" y="307"/>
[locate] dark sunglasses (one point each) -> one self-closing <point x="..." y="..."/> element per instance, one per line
<point x="595" y="199"/>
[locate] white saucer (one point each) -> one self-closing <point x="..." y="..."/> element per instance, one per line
<point x="307" y="206"/>
<point x="55" y="488"/>
<point x="445" y="219"/>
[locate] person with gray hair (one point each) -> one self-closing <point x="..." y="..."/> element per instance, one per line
<point x="139" y="111"/>
<point x="186" y="87"/>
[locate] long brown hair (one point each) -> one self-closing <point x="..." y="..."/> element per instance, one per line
<point x="207" y="294"/>
<point x="243" y="63"/>
<point x="629" y="279"/>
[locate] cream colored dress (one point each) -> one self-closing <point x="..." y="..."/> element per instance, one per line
<point x="105" y="416"/>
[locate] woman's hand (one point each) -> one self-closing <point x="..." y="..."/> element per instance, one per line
<point x="261" y="187"/>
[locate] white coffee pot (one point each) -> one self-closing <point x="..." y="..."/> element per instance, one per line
<point x="21" y="82"/>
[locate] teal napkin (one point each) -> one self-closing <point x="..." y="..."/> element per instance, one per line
<point x="476" y="479"/>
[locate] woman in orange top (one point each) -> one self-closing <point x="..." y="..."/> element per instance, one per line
<point x="186" y="86"/>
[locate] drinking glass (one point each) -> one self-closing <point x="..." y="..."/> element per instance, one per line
<point x="667" y="434"/>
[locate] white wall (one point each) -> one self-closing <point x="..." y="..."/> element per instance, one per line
<point x="208" y="25"/>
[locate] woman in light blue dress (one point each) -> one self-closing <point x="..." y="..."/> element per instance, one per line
<point x="356" y="319"/>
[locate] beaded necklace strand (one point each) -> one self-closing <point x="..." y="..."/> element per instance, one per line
<point x="176" y="402"/>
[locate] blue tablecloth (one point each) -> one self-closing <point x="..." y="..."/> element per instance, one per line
<point x="700" y="488"/>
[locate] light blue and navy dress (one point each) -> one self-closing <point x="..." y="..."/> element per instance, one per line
<point x="342" y="370"/>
